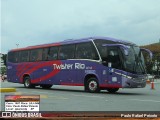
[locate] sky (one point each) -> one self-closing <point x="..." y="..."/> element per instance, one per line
<point x="33" y="22"/>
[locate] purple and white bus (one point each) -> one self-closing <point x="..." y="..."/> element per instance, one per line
<point x="96" y="63"/>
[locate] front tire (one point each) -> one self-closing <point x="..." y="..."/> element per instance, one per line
<point x="92" y="85"/>
<point x="27" y="82"/>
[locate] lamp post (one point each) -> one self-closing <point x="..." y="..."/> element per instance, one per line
<point x="17" y="45"/>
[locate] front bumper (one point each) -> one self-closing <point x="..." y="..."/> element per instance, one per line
<point x="134" y="83"/>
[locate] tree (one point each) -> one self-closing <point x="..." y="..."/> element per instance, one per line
<point x="155" y="48"/>
<point x="4" y="58"/>
<point x="158" y="65"/>
<point x="3" y="68"/>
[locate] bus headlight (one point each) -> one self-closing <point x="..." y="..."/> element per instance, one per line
<point x="114" y="79"/>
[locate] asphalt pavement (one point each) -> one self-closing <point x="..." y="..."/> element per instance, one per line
<point x="71" y="98"/>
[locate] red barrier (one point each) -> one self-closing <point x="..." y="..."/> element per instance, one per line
<point x="152" y="85"/>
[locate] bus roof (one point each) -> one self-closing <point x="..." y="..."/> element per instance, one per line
<point x="71" y="41"/>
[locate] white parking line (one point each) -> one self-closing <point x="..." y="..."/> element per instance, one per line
<point x="145" y="100"/>
<point x="88" y="96"/>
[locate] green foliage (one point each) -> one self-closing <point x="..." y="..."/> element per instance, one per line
<point x="3" y="70"/>
<point x="4" y="58"/>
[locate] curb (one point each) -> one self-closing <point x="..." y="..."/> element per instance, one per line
<point x="7" y="90"/>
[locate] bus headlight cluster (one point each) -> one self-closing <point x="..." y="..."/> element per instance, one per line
<point x="114" y="79"/>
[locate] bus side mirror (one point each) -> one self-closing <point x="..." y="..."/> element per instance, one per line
<point x="148" y="51"/>
<point x="125" y="50"/>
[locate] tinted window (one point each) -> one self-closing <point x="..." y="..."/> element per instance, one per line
<point x="53" y="53"/>
<point x="45" y="54"/>
<point x="24" y="56"/>
<point x="113" y="57"/>
<point x="13" y="56"/>
<point x="86" y="51"/>
<point x="66" y="52"/>
<point x="102" y="50"/>
<point x="36" y="55"/>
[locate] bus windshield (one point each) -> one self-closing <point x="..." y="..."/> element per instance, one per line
<point x="133" y="62"/>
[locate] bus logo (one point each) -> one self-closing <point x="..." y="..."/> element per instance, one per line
<point x="69" y="66"/>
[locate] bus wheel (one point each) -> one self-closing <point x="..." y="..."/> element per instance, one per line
<point x="112" y="90"/>
<point x="92" y="85"/>
<point x="46" y="86"/>
<point x="27" y="82"/>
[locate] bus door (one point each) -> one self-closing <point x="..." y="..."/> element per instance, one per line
<point x="114" y="64"/>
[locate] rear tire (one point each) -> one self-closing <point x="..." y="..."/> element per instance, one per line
<point x="45" y="86"/>
<point x="112" y="90"/>
<point x="92" y="85"/>
<point x="27" y="82"/>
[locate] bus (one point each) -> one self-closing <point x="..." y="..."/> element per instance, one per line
<point x="97" y="63"/>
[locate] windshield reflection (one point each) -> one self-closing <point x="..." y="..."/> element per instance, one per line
<point x="134" y="62"/>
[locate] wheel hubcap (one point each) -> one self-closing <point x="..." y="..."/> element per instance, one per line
<point x="93" y="85"/>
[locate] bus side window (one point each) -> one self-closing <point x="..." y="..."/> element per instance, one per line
<point x="113" y="57"/>
<point x="39" y="56"/>
<point x="32" y="55"/>
<point x="24" y="56"/>
<point x="86" y="51"/>
<point x="45" y="54"/>
<point x="67" y="52"/>
<point x="53" y="53"/>
<point x="13" y="57"/>
<point x="36" y="55"/>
